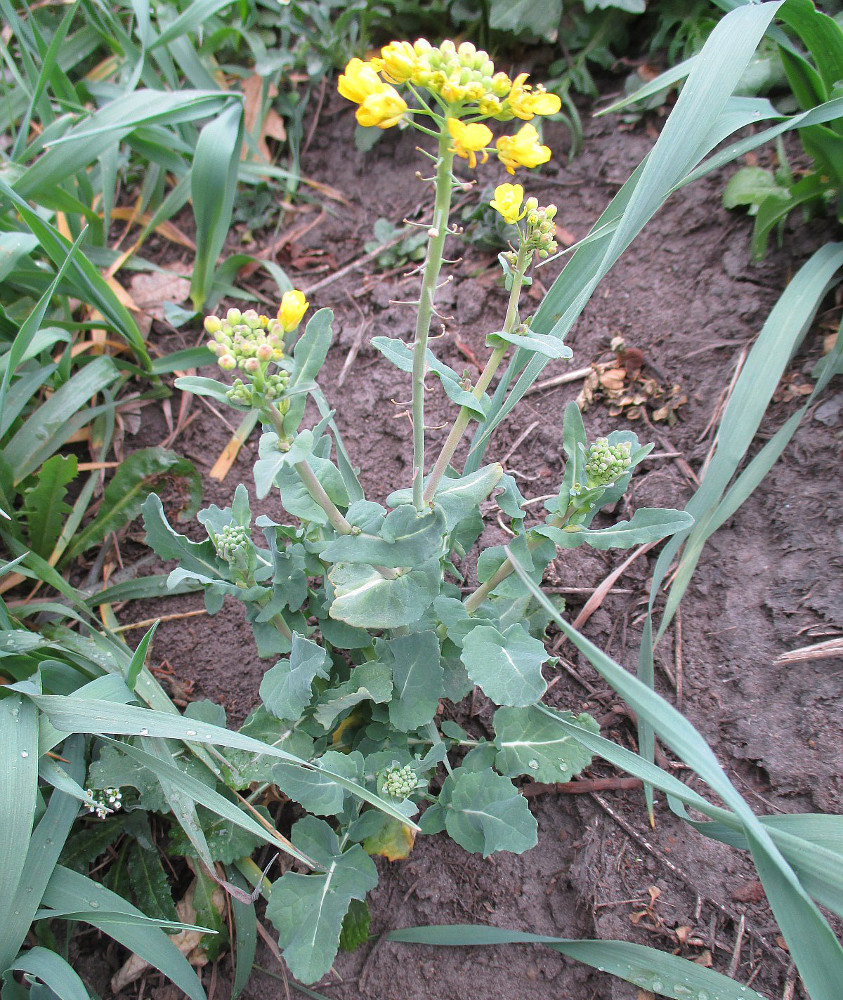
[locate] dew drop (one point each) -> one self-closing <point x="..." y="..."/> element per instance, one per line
<point x="702" y="995"/>
<point x="24" y="754"/>
<point x="563" y="765"/>
<point x="656" y="986"/>
<point x="208" y="736"/>
<point x="48" y="841"/>
<point x="191" y="732"/>
<point x="533" y="765"/>
<point x="144" y="732"/>
<point x="93" y="904"/>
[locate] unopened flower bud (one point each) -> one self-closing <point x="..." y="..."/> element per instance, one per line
<point x="234" y="316"/>
<point x="227" y="363"/>
<point x="212" y="324"/>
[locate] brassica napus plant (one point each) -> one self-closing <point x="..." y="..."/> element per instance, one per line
<point x="351" y="598"/>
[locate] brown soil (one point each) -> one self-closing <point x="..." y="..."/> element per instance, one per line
<point x="687" y="297"/>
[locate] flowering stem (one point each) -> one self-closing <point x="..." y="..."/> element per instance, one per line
<point x="432" y="266"/>
<point x="464" y="416"/>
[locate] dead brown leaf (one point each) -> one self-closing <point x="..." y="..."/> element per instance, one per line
<point x="151" y="290"/>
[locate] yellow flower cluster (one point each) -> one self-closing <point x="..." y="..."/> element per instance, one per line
<point x="379" y="103"/>
<point x="464" y="80"/>
<point x="464" y="75"/>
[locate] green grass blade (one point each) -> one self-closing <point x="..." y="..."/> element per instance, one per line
<point x="246" y="936"/>
<point x="779" y="337"/>
<point x="89" y="285"/>
<point x="18" y="793"/>
<point x="71" y="892"/>
<point x="700" y="120"/>
<point x="213" y="182"/>
<point x="817" y="953"/>
<point x="78" y="715"/>
<point x="190" y="20"/>
<point x="657" y="971"/>
<point x="55" y="421"/>
<point x="53" y="971"/>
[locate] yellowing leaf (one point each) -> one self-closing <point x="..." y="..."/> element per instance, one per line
<point x="394" y="842"/>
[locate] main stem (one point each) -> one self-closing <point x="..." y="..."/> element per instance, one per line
<point x="464" y="416"/>
<point x="432" y="266"/>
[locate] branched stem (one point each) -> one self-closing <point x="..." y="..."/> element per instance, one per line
<point x="464" y="416"/>
<point x="432" y="266"/>
<point x="477" y="597"/>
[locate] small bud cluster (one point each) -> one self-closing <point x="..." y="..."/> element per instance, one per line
<point x="458" y="73"/>
<point x="273" y="387"/>
<point x="541" y="229"/>
<point x="245" y="340"/>
<point x="399" y="782"/>
<point x="604" y="463"/>
<point x="107" y="801"/>
<point x="232" y="543"/>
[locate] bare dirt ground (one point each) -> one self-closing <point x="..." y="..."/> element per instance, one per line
<point x="686" y="298"/>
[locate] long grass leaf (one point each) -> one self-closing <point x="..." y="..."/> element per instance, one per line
<point x="53" y="971"/>
<point x="90" y="286"/>
<point x="817" y="953"/>
<point x="41" y="857"/>
<point x="698" y="122"/>
<point x="71" y="892"/>
<point x="79" y="715"/>
<point x="656" y="971"/>
<point x="213" y="182"/>
<point x="18" y="793"/>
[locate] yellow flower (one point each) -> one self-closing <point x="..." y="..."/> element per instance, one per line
<point x="469" y="139"/>
<point x="400" y="61"/>
<point x="384" y="109"/>
<point x="293" y="307"/>
<point x="359" y="81"/>
<point x="507" y="201"/>
<point x="522" y="149"/>
<point x="524" y="103"/>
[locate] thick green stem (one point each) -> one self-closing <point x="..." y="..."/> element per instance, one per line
<point x="432" y="266"/>
<point x="464" y="416"/>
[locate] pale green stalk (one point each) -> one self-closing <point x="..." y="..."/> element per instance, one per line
<point x="477" y="597"/>
<point x="338" y="521"/>
<point x="432" y="266"/>
<point x="310" y="480"/>
<point x="460" y="424"/>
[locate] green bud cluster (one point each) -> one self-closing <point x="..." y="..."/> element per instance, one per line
<point x="541" y="229"/>
<point x="233" y="543"/>
<point x="273" y="387"/>
<point x="604" y="463"/>
<point x="398" y="782"/>
<point x="245" y="340"/>
<point x="461" y="72"/>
